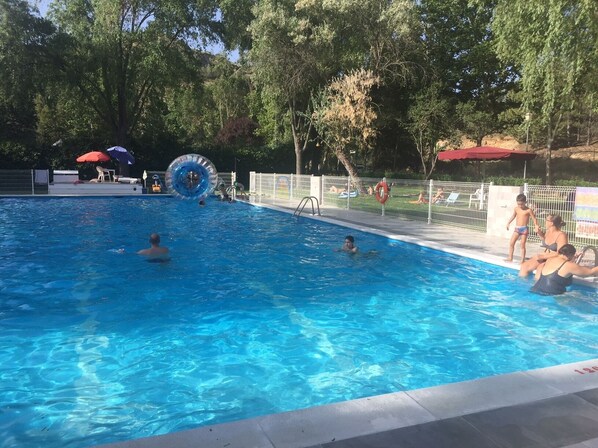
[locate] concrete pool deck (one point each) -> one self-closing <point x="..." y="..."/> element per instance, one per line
<point x="549" y="407"/>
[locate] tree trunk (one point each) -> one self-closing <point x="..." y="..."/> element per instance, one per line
<point x="342" y="158"/>
<point x="589" y="139"/>
<point x="296" y="140"/>
<point x="548" y="158"/>
<point x="123" y="128"/>
<point x="552" y="130"/>
<point x="298" y="153"/>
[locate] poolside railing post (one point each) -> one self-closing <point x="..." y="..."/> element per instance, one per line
<point x="32" y="182"/>
<point x="430" y="192"/>
<point x="291" y="187"/>
<point x="383" y="204"/>
<point x="482" y="196"/>
<point x="348" y="192"/>
<point x="260" y="194"/>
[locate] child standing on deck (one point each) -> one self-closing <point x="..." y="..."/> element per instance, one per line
<point x="523" y="214"/>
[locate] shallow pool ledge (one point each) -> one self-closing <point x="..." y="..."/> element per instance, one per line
<point x="364" y="416"/>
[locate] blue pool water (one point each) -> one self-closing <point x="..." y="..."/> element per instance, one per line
<point x="255" y="314"/>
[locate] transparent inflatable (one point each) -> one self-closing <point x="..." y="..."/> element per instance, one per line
<point x="191" y="177"/>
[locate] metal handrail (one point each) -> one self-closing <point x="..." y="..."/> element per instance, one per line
<point x="304" y="202"/>
<point x="583" y="252"/>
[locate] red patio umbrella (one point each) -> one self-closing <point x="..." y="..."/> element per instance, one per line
<point x="487" y="153"/>
<point x="93" y="156"/>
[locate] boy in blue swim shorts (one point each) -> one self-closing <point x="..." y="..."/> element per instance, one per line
<point x="522" y="214"/>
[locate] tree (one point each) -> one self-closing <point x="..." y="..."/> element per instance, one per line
<point x="476" y="123"/>
<point x="428" y="123"/>
<point x="299" y="45"/>
<point x="458" y="42"/>
<point x="237" y="131"/>
<point x="120" y="56"/>
<point x="344" y="116"/>
<point x="554" y="45"/>
<point x="286" y="59"/>
<point x="22" y="36"/>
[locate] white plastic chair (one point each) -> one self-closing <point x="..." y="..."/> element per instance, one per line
<point x="477" y="197"/>
<point x="103" y="174"/>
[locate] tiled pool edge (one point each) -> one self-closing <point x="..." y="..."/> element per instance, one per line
<point x="364" y="416"/>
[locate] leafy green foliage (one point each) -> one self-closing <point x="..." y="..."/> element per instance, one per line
<point x="554" y="45"/>
<point x="98" y="73"/>
<point x="429" y="121"/>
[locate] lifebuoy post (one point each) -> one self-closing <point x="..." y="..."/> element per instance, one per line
<point x="382" y="193"/>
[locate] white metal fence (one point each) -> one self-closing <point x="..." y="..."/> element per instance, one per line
<point x="461" y="204"/>
<point x="280" y="186"/>
<point x="466" y="210"/>
<point x="579" y="214"/>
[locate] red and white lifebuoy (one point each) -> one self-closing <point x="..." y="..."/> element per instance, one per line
<point x="382" y="192"/>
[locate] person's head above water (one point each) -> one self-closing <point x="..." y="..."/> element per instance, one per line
<point x="568" y="250"/>
<point x="154" y="239"/>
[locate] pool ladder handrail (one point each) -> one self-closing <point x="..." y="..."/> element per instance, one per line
<point x="583" y="252"/>
<point x="304" y="202"/>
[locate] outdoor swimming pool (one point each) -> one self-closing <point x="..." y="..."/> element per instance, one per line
<point x="255" y="314"/>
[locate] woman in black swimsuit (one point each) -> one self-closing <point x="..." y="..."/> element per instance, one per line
<point x="556" y="273"/>
<point x="552" y="240"/>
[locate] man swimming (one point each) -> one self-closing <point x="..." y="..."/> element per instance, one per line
<point x="155" y="252"/>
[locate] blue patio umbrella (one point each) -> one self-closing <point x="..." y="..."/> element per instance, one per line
<point x="122" y="155"/>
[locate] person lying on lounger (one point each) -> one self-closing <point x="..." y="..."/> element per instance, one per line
<point x="421" y="199"/>
<point x="334" y="189"/>
<point x="439" y="196"/>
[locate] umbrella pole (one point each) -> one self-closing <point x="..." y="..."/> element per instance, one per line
<point x="524" y="168"/>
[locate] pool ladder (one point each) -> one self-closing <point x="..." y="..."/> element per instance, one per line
<point x="583" y="252"/>
<point x="304" y="202"/>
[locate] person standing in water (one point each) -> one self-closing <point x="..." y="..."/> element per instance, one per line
<point x="155" y="251"/>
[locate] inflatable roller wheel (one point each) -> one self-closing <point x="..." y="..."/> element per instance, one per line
<point x="191" y="177"/>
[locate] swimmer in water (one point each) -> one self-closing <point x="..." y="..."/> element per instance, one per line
<point x="349" y="245"/>
<point x="155" y="252"/>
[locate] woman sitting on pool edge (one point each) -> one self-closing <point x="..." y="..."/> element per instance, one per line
<point x="557" y="272"/>
<point x="552" y="240"/>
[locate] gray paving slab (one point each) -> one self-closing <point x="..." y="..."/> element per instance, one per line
<point x="590" y="396"/>
<point x="343" y="420"/>
<point x="455" y="432"/>
<point x="473" y="396"/>
<point x="555" y="422"/>
<point x="587" y="444"/>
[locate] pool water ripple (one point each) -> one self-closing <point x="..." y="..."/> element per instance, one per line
<point x="256" y="313"/>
